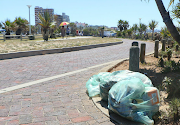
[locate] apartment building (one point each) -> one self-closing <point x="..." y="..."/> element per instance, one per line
<point x="65" y="17"/>
<point x="59" y="19"/>
<point x="40" y="10"/>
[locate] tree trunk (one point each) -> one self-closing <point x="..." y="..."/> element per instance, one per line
<point x="152" y="33"/>
<point x="167" y="20"/>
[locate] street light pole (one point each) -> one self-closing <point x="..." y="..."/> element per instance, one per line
<point x="29" y="20"/>
<point x="139" y="21"/>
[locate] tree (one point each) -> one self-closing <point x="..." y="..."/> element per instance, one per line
<point x="165" y="33"/>
<point x="176" y="11"/>
<point x="73" y="28"/>
<point x="135" y="28"/>
<point x="45" y="24"/>
<point x="7" y="26"/>
<point x="125" y="25"/>
<point x="129" y="32"/>
<point x="22" y="25"/>
<point x="152" y="26"/>
<point x="142" y="28"/>
<point x="120" y="25"/>
<point x="167" y="20"/>
<point x="0" y="25"/>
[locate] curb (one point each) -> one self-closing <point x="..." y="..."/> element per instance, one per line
<point x="102" y="105"/>
<point x="52" y="51"/>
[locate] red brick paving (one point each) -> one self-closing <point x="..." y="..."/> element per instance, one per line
<point x="59" y="101"/>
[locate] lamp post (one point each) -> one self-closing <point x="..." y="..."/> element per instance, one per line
<point x="29" y="20"/>
<point x="139" y="21"/>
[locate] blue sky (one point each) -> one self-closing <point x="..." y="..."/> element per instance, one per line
<point x="92" y="12"/>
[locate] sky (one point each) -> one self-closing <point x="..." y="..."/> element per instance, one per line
<point x="92" y="12"/>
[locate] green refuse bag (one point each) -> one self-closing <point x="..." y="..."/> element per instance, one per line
<point x="134" y="100"/>
<point x="92" y="84"/>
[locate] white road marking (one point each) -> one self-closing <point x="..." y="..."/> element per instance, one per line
<point x="50" y="78"/>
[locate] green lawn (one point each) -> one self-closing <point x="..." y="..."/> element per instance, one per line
<point x="17" y="45"/>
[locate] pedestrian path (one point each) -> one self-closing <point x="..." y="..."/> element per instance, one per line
<point x="61" y="98"/>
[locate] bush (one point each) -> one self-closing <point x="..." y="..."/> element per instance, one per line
<point x="172" y="86"/>
<point x="119" y="34"/>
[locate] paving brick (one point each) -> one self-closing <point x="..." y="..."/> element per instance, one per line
<point x="4" y="112"/>
<point x="55" y="113"/>
<point x="81" y="119"/>
<point x="52" y="123"/>
<point x="64" y="119"/>
<point x="41" y="119"/>
<point x="73" y="113"/>
<point x="25" y="119"/>
<point x="59" y="101"/>
<point x="13" y="122"/>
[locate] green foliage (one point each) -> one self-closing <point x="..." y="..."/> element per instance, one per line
<point x="7" y="26"/>
<point x="176" y="12"/>
<point x="152" y="26"/>
<point x="118" y="34"/>
<point x="169" y="54"/>
<point x="123" y="25"/>
<point x="90" y="32"/>
<point x="73" y="28"/>
<point x="172" y="87"/>
<point x="171" y="65"/>
<point x="161" y="62"/>
<point x="165" y="33"/>
<point x="45" y="23"/>
<point x="174" y="107"/>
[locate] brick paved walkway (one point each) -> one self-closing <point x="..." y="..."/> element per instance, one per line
<point x="59" y="101"/>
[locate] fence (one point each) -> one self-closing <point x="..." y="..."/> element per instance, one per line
<point x="30" y="37"/>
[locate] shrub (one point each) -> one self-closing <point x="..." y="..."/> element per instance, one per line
<point x="172" y="86"/>
<point x="174" y="107"/>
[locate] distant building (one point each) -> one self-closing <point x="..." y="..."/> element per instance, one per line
<point x="40" y="10"/>
<point x="83" y="25"/>
<point x="65" y="17"/>
<point x="114" y="28"/>
<point x="59" y="19"/>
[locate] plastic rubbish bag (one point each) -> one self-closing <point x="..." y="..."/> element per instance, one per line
<point x="102" y="83"/>
<point x="125" y="74"/>
<point x="134" y="100"/>
<point x="107" y="82"/>
<point x="92" y="84"/>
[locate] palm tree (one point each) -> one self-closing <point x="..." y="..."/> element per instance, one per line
<point x="135" y="28"/>
<point x="45" y="23"/>
<point x="142" y="28"/>
<point x="130" y="31"/>
<point x="125" y="25"/>
<point x="152" y="26"/>
<point x="176" y="11"/>
<point x="120" y="25"/>
<point x="7" y="26"/>
<point x="165" y="33"/>
<point x="167" y="20"/>
<point x="22" y="25"/>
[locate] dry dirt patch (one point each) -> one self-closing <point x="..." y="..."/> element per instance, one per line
<point x="154" y="72"/>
